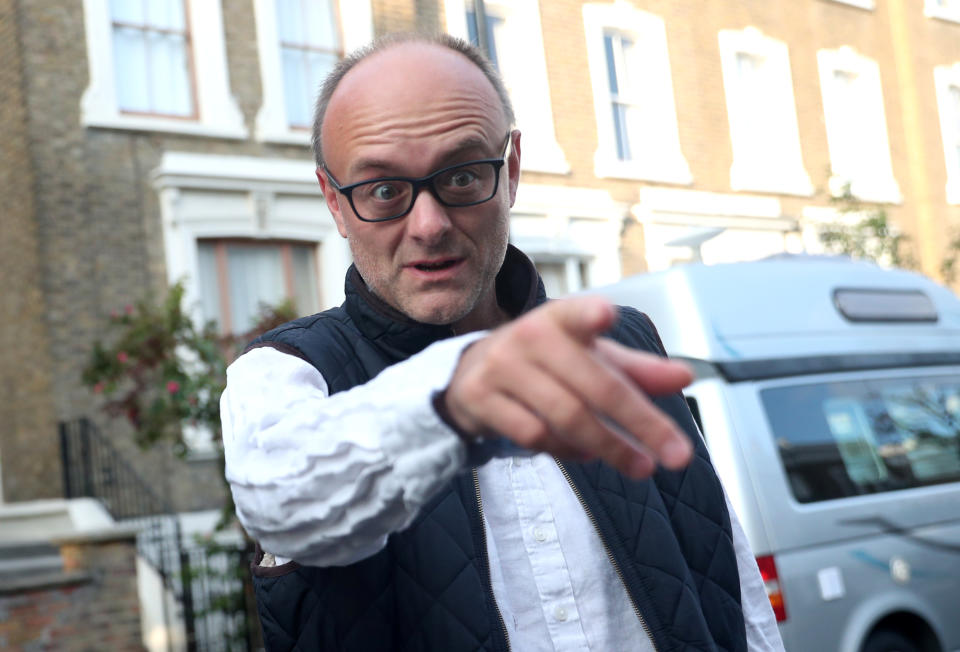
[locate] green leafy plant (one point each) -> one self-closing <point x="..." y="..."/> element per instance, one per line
<point x="160" y="371"/>
<point x="865" y="232"/>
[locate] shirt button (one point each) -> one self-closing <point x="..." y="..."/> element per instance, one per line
<point x="539" y="534"/>
<point x="560" y="614"/>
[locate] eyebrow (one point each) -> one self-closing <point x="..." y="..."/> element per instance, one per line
<point x="391" y="168"/>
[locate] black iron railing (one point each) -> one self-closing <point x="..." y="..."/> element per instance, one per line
<point x="210" y="584"/>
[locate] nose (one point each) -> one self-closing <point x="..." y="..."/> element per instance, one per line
<point x="428" y="221"/>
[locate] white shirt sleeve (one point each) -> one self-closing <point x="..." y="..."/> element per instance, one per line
<point x="325" y="479"/>
<point x="763" y="635"/>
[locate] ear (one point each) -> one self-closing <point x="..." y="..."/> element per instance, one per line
<point x="332" y="197"/>
<point x="513" y="165"/>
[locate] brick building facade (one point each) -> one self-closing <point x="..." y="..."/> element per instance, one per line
<point x="650" y="126"/>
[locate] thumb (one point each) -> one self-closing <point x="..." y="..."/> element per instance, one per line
<point x="583" y="318"/>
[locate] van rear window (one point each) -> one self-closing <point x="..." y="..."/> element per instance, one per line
<point x="851" y="438"/>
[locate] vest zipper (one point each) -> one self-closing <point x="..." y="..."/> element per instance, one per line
<point x="613" y="561"/>
<point x="486" y="557"/>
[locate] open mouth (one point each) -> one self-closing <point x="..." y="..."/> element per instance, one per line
<point x="436" y="266"/>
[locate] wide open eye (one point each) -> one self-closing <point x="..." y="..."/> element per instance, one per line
<point x="385" y="191"/>
<point x="462" y="178"/>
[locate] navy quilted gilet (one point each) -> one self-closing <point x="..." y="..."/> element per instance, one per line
<point x="429" y="588"/>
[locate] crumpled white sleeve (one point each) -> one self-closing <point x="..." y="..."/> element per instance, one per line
<point x="324" y="479"/>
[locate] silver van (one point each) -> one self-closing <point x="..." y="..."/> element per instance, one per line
<point x="828" y="392"/>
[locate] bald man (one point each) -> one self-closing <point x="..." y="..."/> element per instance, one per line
<point x="448" y="461"/>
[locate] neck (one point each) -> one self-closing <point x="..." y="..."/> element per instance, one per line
<point x="489" y="315"/>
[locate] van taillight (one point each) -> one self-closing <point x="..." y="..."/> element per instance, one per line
<point x="771" y="582"/>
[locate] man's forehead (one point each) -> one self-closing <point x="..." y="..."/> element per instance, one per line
<point x="409" y="78"/>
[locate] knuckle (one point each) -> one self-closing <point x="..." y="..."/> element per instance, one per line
<point x="528" y="330"/>
<point x="570" y="415"/>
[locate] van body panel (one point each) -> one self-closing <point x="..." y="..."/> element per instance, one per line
<point x="869" y="590"/>
<point x="837" y="439"/>
<point x="700" y="309"/>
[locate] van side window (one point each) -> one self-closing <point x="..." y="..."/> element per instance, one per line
<point x="850" y="438"/>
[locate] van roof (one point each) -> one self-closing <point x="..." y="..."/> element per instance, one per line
<point x="787" y="307"/>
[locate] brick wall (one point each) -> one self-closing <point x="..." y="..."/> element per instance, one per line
<point x="82" y="232"/>
<point x="905" y="44"/>
<point x="92" y="606"/>
<point x="28" y="434"/>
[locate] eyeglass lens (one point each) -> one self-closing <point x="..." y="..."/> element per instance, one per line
<point x="466" y="184"/>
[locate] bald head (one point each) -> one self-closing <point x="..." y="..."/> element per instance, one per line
<point x="453" y="53"/>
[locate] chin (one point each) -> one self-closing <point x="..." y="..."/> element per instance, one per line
<point x="437" y="315"/>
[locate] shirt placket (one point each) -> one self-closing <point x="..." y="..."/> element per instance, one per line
<point x="550" y="571"/>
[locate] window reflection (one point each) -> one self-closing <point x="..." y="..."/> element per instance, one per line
<point x="852" y="438"/>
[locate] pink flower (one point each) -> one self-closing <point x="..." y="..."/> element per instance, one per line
<point x="128" y="309"/>
<point x="173" y="386"/>
<point x="114" y="315"/>
<point x="98" y="388"/>
<point x="122" y="357"/>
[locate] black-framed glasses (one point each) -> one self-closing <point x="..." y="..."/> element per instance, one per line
<point x="390" y="198"/>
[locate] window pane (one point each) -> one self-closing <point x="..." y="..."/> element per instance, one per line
<point x="130" y="67"/>
<point x="209" y="282"/>
<point x="256" y="280"/>
<point x="847" y="139"/>
<point x="306" y="294"/>
<point x="170" y="85"/>
<point x="294" y="86"/>
<point x="620" y="131"/>
<point x="756" y="130"/>
<point x="165" y="14"/>
<point x="321" y="25"/>
<point x="611" y="63"/>
<point x="846" y="439"/>
<point x="321" y="63"/>
<point x="290" y="21"/>
<point x="127" y="11"/>
<point x="493" y="27"/>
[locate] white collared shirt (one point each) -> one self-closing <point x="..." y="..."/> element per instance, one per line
<point x="325" y="479"/>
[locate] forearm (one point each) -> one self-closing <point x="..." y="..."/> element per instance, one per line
<point x="325" y="479"/>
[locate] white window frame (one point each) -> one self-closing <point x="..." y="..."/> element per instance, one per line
<point x="881" y="186"/>
<point x="356" y="30"/>
<point x="861" y="4"/>
<point x="649" y="35"/>
<point x="280" y="200"/>
<point x="945" y="77"/>
<point x="932" y="10"/>
<point x="576" y="226"/>
<point x="785" y="173"/>
<point x="218" y="114"/>
<point x="523" y="66"/>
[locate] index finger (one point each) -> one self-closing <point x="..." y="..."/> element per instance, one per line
<point x="612" y="394"/>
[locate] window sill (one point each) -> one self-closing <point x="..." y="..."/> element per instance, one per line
<point x="884" y="191"/>
<point x="166" y="125"/>
<point x="774" y="181"/>
<point x="860" y="4"/>
<point x="942" y="13"/>
<point x="664" y="170"/>
<point x="285" y="137"/>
